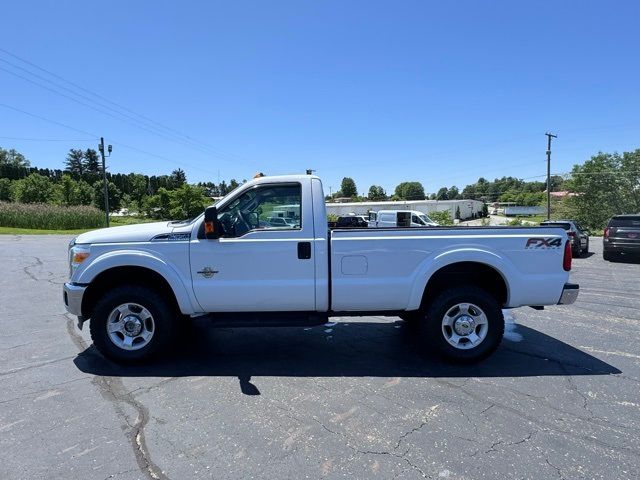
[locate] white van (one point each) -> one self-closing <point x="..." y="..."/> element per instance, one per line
<point x="399" y="218"/>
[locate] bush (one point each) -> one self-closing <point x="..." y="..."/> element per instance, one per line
<point x="441" y="218"/>
<point x="35" y="188"/>
<point x="49" y="217"/>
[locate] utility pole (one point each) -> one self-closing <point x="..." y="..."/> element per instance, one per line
<point x="549" y="137"/>
<point x="104" y="177"/>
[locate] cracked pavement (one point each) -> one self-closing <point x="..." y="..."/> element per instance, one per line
<point x="355" y="399"/>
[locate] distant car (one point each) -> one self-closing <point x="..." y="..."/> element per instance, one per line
<point x="352" y="221"/>
<point x="399" y="218"/>
<point x="281" y="222"/>
<point x="579" y="236"/>
<point x="621" y="237"/>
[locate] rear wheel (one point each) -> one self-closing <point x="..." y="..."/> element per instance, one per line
<point x="463" y="324"/>
<point x="131" y="324"/>
<point x="608" y="256"/>
<point x="576" y="251"/>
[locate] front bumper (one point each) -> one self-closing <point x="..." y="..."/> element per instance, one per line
<point x="569" y="294"/>
<point x="72" y="295"/>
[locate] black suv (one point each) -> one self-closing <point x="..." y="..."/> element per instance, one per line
<point x="622" y="236"/>
<point x="352" y="221"/>
<point x="578" y="236"/>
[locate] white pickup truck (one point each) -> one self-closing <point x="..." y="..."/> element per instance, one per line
<point x="137" y="283"/>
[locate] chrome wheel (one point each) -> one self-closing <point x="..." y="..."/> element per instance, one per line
<point x="465" y="326"/>
<point x="130" y="326"/>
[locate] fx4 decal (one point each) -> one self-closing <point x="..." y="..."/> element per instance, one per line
<point x="538" y="242"/>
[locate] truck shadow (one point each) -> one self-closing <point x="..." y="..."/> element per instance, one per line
<point x="346" y="349"/>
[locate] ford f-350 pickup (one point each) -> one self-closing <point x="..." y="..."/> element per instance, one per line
<point x="137" y="283"/>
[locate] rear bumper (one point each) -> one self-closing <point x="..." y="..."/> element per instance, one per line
<point x="569" y="294"/>
<point x="72" y="295"/>
<point x="621" y="247"/>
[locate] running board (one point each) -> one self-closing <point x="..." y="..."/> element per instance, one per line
<point x="266" y="319"/>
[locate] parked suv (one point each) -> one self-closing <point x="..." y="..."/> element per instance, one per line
<point x="622" y="236"/>
<point x="352" y="221"/>
<point x="579" y="236"/>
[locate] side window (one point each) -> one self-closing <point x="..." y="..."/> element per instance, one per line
<point x="269" y="207"/>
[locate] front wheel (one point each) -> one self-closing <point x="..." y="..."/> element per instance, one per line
<point x="463" y="324"/>
<point x="131" y="324"/>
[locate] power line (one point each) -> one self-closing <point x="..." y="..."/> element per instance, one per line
<point x="28" y="139"/>
<point x="185" y="140"/>
<point x="139" y="150"/>
<point x="142" y="127"/>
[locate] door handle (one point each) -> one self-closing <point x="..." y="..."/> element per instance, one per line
<point x="304" y="250"/>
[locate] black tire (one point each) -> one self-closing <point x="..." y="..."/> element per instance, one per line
<point x="164" y="318"/>
<point x="431" y="330"/>
<point x="412" y="318"/>
<point x="608" y="256"/>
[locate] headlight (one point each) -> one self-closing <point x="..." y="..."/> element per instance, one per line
<point x="77" y="255"/>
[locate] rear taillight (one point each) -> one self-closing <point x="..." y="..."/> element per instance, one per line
<point x="571" y="234"/>
<point x="566" y="260"/>
<point x="606" y="232"/>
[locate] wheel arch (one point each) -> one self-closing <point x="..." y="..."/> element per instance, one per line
<point x="140" y="268"/>
<point x="486" y="270"/>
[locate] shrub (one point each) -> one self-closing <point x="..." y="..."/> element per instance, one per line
<point x="441" y="218"/>
<point x="49" y="217"/>
<point x="35" y="188"/>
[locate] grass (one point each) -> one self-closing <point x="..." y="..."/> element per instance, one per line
<point x="114" y="221"/>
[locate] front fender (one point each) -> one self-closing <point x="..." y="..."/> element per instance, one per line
<point x="440" y="259"/>
<point x="145" y="259"/>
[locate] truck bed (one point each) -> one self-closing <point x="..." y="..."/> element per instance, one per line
<point x="384" y="268"/>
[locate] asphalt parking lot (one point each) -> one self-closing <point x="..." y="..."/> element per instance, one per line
<point x="560" y="399"/>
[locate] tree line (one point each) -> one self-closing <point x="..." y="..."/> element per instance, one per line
<point x="80" y="182"/>
<point x="604" y="185"/>
<point x="505" y="189"/>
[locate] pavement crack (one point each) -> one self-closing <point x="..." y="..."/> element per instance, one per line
<point x="113" y="390"/>
<point x="557" y="469"/>
<point x="430" y="414"/>
<point x="401" y="456"/>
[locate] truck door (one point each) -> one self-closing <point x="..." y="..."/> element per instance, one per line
<point x="258" y="265"/>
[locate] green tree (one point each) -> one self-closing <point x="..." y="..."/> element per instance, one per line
<point x="83" y="193"/>
<point x="348" y="187"/>
<point x="91" y="162"/>
<point x="74" y="164"/>
<point x="177" y="178"/>
<point x="115" y="196"/>
<point x="485" y="210"/>
<point x="453" y="193"/>
<point x="137" y="187"/>
<point x="187" y="201"/>
<point x="5" y="190"/>
<point x="376" y="193"/>
<point x="66" y="190"/>
<point x="443" y="194"/>
<point x="13" y="158"/>
<point x="441" y="217"/>
<point x="458" y="212"/>
<point x="409" y="191"/>
<point x="35" y="188"/>
<point x="159" y="205"/>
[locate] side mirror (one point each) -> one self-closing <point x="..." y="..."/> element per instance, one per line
<point x="211" y="224"/>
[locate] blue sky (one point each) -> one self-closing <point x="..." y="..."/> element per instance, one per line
<point x="439" y="92"/>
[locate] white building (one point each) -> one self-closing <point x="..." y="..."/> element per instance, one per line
<point x="467" y="207"/>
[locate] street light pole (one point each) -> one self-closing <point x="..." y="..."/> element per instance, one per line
<point x="549" y="137"/>
<point x="104" y="177"/>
